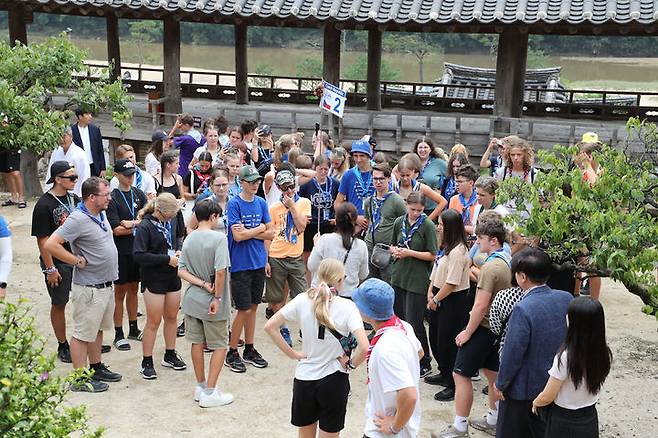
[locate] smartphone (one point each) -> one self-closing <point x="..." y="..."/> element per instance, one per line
<point x="317" y="128"/>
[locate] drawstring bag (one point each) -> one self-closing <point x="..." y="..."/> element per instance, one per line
<point x="381" y="256"/>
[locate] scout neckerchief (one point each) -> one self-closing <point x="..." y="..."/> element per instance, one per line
<point x="165" y="229"/>
<point x="101" y="223"/>
<point x="415" y="186"/>
<point x="501" y="254"/>
<point x="406" y="237"/>
<point x="466" y="206"/>
<point x="203" y="177"/>
<point x="265" y="158"/>
<point x="69" y="206"/>
<point x="366" y="187"/>
<point x="427" y="163"/>
<point x="439" y="254"/>
<point x="290" y="223"/>
<point x="450" y="187"/>
<point x="376" y="205"/>
<point x="394" y="323"/>
<point x="138" y="180"/>
<point x="235" y="188"/>
<point x="325" y="195"/>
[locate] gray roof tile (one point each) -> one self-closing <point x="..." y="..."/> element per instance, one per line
<point x="402" y="11"/>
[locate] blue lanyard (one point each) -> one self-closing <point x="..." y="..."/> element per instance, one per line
<point x="407" y="236"/>
<point x="366" y="186"/>
<point x="466" y="212"/>
<point x="68" y="207"/>
<point x="427" y="163"/>
<point x="131" y="206"/>
<point x="325" y="197"/>
<point x="328" y="185"/>
<point x="290" y="223"/>
<point x="376" y="207"/>
<point x="100" y="223"/>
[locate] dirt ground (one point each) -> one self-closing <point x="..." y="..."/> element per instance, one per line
<point x="164" y="407"/>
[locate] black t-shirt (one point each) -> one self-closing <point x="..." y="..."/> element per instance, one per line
<point x="125" y="206"/>
<point x="264" y="165"/>
<point x="321" y="200"/>
<point x="50" y="212"/>
<point x="201" y="181"/>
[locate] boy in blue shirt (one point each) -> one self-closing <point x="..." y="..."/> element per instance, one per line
<point x="356" y="185"/>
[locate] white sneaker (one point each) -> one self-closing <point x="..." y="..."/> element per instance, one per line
<point x="198" y="390"/>
<point x="215" y="398"/>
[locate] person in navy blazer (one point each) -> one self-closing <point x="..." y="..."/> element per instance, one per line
<point x="89" y="138"/>
<point x="536" y="329"/>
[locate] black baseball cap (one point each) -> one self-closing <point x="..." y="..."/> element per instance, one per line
<point x="58" y="168"/>
<point x="159" y="135"/>
<point x="124" y="167"/>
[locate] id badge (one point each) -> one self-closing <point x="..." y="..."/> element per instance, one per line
<point x="171" y="252"/>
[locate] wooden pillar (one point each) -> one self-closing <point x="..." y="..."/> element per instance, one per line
<point x="113" y="46"/>
<point x="510" y="75"/>
<point x="331" y="67"/>
<point x="174" y="102"/>
<point x="17" y="24"/>
<point x="241" y="70"/>
<point x="374" y="95"/>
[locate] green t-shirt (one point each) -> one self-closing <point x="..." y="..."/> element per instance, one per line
<point x="204" y="253"/>
<point x="393" y="208"/>
<point x="409" y="273"/>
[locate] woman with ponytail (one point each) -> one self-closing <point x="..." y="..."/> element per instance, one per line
<point x="342" y="246"/>
<point x="321" y="384"/>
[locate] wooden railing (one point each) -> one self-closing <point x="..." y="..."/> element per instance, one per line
<point x="588" y="104"/>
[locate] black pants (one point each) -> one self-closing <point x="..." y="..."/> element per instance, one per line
<point x="516" y="420"/>
<point x="569" y="423"/>
<point x="445" y="324"/>
<point x="411" y="307"/>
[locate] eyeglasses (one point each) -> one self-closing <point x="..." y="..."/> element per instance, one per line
<point x="69" y="177"/>
<point x="379" y="179"/>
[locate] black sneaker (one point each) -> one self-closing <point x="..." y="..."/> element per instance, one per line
<point x="438" y="379"/>
<point x="180" y="331"/>
<point x="253" y="357"/>
<point x="147" y="371"/>
<point x="64" y="353"/>
<point x="268" y="313"/>
<point x="234" y="363"/>
<point x="173" y="361"/>
<point x="448" y="394"/>
<point x="425" y="369"/>
<point x="104" y="374"/>
<point x="90" y="385"/>
<point x="105" y="349"/>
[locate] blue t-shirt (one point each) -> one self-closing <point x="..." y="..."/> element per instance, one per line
<point x="321" y="201"/>
<point x="352" y="189"/>
<point x="248" y="254"/>
<point x="4" y="228"/>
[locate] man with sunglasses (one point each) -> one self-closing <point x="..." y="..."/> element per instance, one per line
<point x="95" y="266"/>
<point x="50" y="212"/>
<point x="285" y="262"/>
<point x="68" y="151"/>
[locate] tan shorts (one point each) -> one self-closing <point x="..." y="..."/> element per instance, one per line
<point x="93" y="310"/>
<point x="287" y="271"/>
<point x="212" y="333"/>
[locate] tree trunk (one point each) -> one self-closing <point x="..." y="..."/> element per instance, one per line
<point x="30" y="174"/>
<point x="421" y="76"/>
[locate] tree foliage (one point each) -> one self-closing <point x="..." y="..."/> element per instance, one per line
<point x="310" y="67"/>
<point x="31" y="75"/>
<point x="609" y="222"/>
<point x="359" y="70"/>
<point x="31" y="398"/>
<point x="420" y="45"/>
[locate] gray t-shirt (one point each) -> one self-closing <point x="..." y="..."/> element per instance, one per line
<point x="204" y="253"/>
<point x="89" y="240"/>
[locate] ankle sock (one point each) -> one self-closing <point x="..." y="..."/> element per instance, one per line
<point x="492" y="417"/>
<point x="169" y="353"/>
<point x="132" y="326"/>
<point x="118" y="333"/>
<point x="62" y="345"/>
<point x="232" y="350"/>
<point x="147" y="360"/>
<point x="94" y="366"/>
<point x="460" y="423"/>
<point x="248" y="347"/>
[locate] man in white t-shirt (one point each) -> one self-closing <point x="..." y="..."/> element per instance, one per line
<point x="68" y="151"/>
<point x="393" y="406"/>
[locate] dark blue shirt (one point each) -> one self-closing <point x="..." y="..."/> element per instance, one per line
<point x="322" y="201"/>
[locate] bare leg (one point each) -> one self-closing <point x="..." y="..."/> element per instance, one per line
<point x="324" y="434"/>
<point x="196" y="352"/>
<point x="309" y="276"/>
<point x="9" y="182"/>
<point x="18" y="185"/>
<point x="171" y="304"/>
<point x="154" y="308"/>
<point x="491" y="379"/>
<point x="79" y="353"/>
<point x="119" y="297"/>
<point x="595" y="287"/>
<point x="309" y="431"/>
<point x="239" y="322"/>
<point x="131" y="300"/>
<point x="216" y="363"/>
<point x="463" y="395"/>
<point x="58" y="321"/>
<point x="94" y="351"/>
<point x="249" y="325"/>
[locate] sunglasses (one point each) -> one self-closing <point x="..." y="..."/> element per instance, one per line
<point x="286" y="188"/>
<point x="70" y="177"/>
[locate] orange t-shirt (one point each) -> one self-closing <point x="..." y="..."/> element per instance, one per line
<point x="456" y="204"/>
<point x="280" y="247"/>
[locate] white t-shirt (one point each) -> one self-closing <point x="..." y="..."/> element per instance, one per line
<point x="214" y="154"/>
<point x="321" y="354"/>
<point x="148" y="183"/>
<point x="569" y="397"/>
<point x="86" y="142"/>
<point x="76" y="156"/>
<point x="152" y="164"/>
<point x="393" y="365"/>
<point x="330" y="246"/>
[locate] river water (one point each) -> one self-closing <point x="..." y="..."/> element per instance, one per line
<point x="635" y="74"/>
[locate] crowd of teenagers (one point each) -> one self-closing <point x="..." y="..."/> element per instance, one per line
<point x="390" y="268"/>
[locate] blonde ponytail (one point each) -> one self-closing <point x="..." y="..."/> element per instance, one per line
<point x="331" y="273"/>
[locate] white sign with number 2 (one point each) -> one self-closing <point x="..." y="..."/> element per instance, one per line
<point x="333" y="99"/>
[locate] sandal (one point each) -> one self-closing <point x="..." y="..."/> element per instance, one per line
<point x="7" y="203"/>
<point x="137" y="337"/>
<point x="122" y="344"/>
<point x="22" y="204"/>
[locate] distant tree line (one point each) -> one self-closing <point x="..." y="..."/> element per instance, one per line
<point x="201" y="33"/>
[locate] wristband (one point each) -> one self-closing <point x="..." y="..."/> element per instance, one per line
<point x="50" y="270"/>
<point x="217" y="298"/>
<point x="350" y="365"/>
<point x="393" y="431"/>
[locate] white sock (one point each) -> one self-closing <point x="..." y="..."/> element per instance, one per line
<point x="201" y="384"/>
<point x="492" y="417"/>
<point x="460" y="423"/>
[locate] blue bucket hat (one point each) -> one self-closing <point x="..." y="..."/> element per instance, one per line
<point x="374" y="299"/>
<point x="361" y="146"/>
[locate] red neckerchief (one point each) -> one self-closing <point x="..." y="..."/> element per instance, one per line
<point x="203" y="177"/>
<point x="393" y="323"/>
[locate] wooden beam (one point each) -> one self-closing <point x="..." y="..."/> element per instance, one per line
<point x="17" y="24"/>
<point x="510" y="74"/>
<point x="331" y="65"/>
<point x="241" y="68"/>
<point x="171" y="76"/>
<point x="113" y="46"/>
<point x="374" y="95"/>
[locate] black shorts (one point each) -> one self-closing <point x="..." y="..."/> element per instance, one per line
<point x="10" y="161"/>
<point x="163" y="286"/>
<point x="311" y="230"/>
<point x="59" y="295"/>
<point x="324" y="401"/>
<point x="481" y="351"/>
<point x="128" y="270"/>
<point x="247" y="288"/>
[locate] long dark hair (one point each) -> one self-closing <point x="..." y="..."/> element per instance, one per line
<point x="588" y="354"/>
<point x="454" y="233"/>
<point x="346" y="222"/>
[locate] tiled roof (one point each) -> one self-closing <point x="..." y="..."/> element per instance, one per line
<point x="409" y="11"/>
